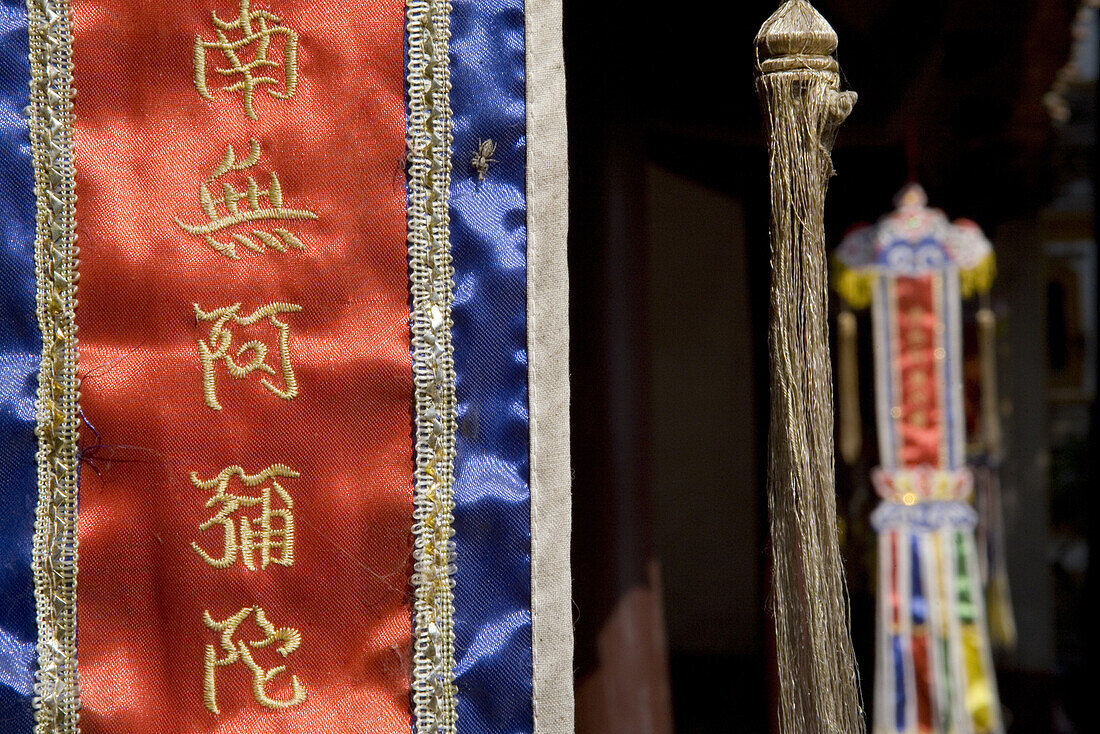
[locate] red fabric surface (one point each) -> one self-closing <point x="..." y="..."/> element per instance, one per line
<point x="923" y="679"/>
<point x="145" y="141"/>
<point x="920" y="424"/>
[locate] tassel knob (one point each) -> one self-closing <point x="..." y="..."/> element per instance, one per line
<point x="797" y="41"/>
<point x="796" y="36"/>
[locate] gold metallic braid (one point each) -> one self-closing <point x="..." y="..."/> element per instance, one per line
<point x="431" y="281"/>
<point x="57" y="699"/>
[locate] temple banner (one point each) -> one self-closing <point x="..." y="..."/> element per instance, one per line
<point x="306" y="468"/>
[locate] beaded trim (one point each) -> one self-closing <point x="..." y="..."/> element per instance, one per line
<point x="432" y="283"/>
<point x="57" y="699"/>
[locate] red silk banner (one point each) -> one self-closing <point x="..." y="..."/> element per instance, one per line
<point x="246" y="490"/>
<point x="919" y="364"/>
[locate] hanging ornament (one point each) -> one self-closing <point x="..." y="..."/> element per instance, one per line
<point x="933" y="669"/>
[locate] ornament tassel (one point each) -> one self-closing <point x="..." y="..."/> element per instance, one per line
<point x="798" y="83"/>
<point x="987" y="355"/>
<point x="851" y="429"/>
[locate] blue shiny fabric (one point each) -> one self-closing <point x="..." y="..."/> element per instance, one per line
<point x="918" y="605"/>
<point x="899" y="682"/>
<point x="20" y="349"/>
<point x="492" y="496"/>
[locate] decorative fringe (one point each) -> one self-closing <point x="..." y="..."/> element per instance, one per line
<point x="992" y="560"/>
<point x="798" y="83"/>
<point x="851" y="430"/>
<point x="934" y="671"/>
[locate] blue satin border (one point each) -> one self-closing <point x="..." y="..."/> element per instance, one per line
<point x="492" y="495"/>
<point x="20" y="352"/>
<point x="918" y="605"/>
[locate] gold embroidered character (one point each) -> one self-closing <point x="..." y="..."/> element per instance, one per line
<point x="285" y="639"/>
<point x="245" y="44"/>
<point x="271" y="532"/>
<point x="219" y="347"/>
<point x="236" y="207"/>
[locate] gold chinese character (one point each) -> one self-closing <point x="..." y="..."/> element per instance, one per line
<point x="273" y="535"/>
<point x="286" y="641"/>
<point x="228" y="211"/>
<point x="220" y="343"/>
<point x="245" y="43"/>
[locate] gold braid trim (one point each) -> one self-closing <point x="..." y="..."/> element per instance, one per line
<point x="432" y="283"/>
<point x="57" y="699"/>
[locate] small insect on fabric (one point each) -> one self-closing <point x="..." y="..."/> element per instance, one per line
<point x="482" y="157"/>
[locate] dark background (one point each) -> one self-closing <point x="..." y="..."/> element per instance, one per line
<point x="669" y="275"/>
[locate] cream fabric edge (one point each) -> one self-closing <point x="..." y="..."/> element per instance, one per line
<point x="548" y="370"/>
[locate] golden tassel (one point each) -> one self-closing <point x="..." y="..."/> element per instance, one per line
<point x="987" y="354"/>
<point x="798" y="82"/>
<point x="851" y="430"/>
<point x="1001" y="620"/>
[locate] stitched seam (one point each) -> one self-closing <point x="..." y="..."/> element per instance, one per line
<point x="431" y="277"/>
<point x="57" y="699"/>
